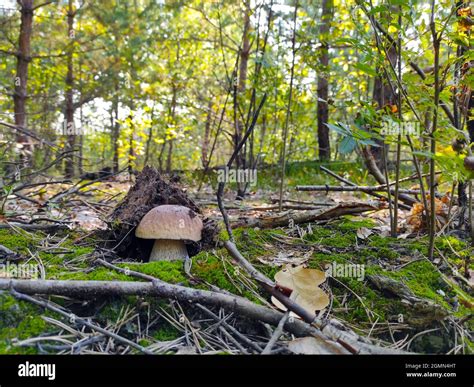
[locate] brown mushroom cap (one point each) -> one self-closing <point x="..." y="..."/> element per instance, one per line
<point x="170" y="222"/>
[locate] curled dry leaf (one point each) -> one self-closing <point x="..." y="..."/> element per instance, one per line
<point x="364" y="233"/>
<point x="304" y="284"/>
<point x="310" y="346"/>
<point x="300" y="278"/>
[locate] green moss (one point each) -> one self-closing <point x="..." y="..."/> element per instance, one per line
<point x="17" y="240"/>
<point x="210" y="269"/>
<point x="19" y="320"/>
<point x="171" y="272"/>
<point x="352" y="223"/>
<point x="165" y="332"/>
<point x="330" y="237"/>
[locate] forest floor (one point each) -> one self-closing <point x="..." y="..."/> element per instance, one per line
<point x="398" y="298"/>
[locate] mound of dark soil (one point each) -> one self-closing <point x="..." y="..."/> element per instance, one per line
<point x="150" y="190"/>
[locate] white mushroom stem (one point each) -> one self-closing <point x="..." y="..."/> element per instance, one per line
<point x="168" y="250"/>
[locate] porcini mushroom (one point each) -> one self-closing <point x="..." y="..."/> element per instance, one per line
<point x="170" y="226"/>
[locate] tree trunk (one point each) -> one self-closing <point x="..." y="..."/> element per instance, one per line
<point x="241" y="86"/>
<point x="466" y="110"/>
<point x="172" y="116"/>
<point x="207" y="135"/>
<point x="69" y="112"/>
<point x="323" y="84"/>
<point x="150" y="137"/>
<point x="383" y="96"/>
<point x="115" y="129"/>
<point x="131" y="151"/>
<point x="23" y="59"/>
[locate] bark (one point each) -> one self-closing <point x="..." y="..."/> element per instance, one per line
<point x="150" y="137"/>
<point x="241" y="87"/>
<point x="115" y="129"/>
<point x="297" y="217"/>
<point x="69" y="112"/>
<point x="323" y="84"/>
<point x="23" y="59"/>
<point x="367" y="189"/>
<point x="207" y="135"/>
<point x="466" y="109"/>
<point x="131" y="150"/>
<point x="384" y="97"/>
<point x="172" y="116"/>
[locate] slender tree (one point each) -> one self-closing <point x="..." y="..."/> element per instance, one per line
<point x="327" y="15"/>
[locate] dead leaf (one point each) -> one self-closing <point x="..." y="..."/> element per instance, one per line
<point x="304" y="284"/>
<point x="300" y="278"/>
<point x="286" y="258"/>
<point x="307" y="346"/>
<point x="364" y="233"/>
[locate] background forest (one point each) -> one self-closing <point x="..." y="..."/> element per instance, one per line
<point x="174" y="84"/>
<point x="350" y="121"/>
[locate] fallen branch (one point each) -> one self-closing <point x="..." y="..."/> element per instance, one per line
<point x="33" y="227"/>
<point x="332" y="328"/>
<point x="301" y="207"/>
<point x="92" y="289"/>
<point x="297" y="217"/>
<point x="276" y="334"/>
<point x="365" y="189"/>
<point x="6" y="250"/>
<point x="350" y="183"/>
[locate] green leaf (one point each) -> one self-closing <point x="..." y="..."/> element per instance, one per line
<point x="347" y="145"/>
<point x="366" y="69"/>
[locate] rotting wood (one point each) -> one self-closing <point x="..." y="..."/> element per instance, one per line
<point x="298" y="217"/>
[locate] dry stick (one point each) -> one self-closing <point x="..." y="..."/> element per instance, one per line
<point x="28" y="133"/>
<point x="310" y="203"/>
<point x="296" y="217"/>
<point x="365" y="189"/>
<point x="6" y="250"/>
<point x="338" y="335"/>
<point x="276" y="334"/>
<point x="33" y="227"/>
<point x="233" y="340"/>
<point x="76" y="188"/>
<point x="87" y="289"/>
<point x="203" y="308"/>
<point x="229" y="327"/>
<point x="219" y="127"/>
<point x="288" y="109"/>
<point x="408" y="178"/>
<point x="45" y="304"/>
<point x="350" y="183"/>
<point x="255" y="274"/>
<point x="220" y="188"/>
<point x="332" y="329"/>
